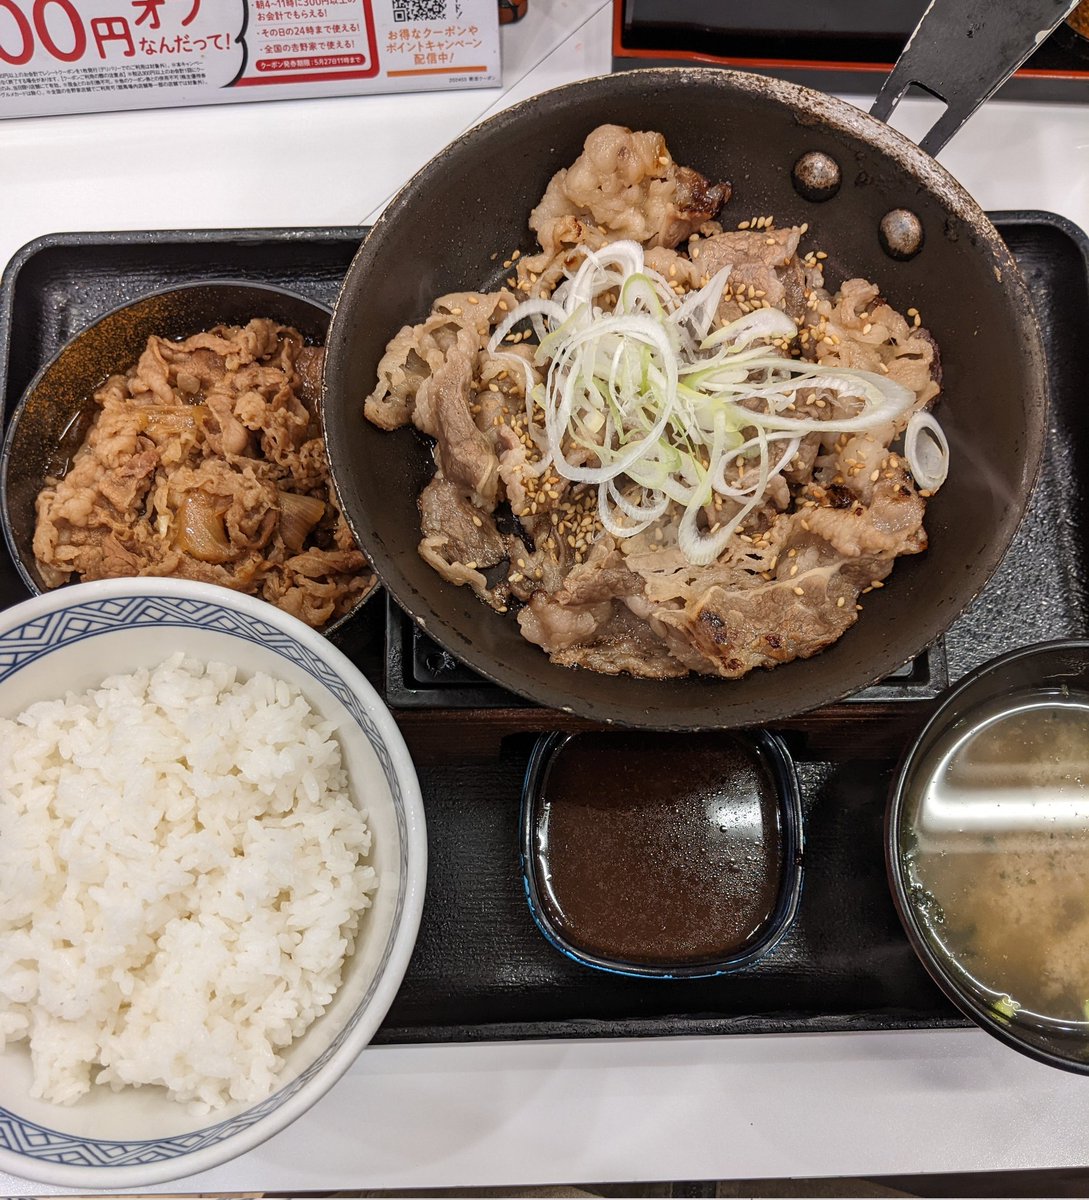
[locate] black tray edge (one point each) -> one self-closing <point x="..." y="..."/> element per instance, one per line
<point x="760" y="1024"/>
<point x="9" y="275"/>
<point x="1042" y="216"/>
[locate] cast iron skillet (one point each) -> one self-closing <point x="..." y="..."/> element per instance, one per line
<point x="441" y="233"/>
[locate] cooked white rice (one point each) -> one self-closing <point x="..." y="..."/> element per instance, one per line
<point x="181" y="878"/>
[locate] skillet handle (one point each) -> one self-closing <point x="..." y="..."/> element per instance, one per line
<point x="962" y="51"/>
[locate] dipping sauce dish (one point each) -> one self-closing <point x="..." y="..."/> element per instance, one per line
<point x="665" y="855"/>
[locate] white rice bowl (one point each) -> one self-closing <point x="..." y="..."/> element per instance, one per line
<point x="70" y="641"/>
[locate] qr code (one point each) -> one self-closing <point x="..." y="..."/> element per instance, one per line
<point x="419" y="10"/>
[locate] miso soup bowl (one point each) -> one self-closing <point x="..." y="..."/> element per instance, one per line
<point x="1051" y="666"/>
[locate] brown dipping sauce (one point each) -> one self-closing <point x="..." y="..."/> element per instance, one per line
<point x="658" y="849"/>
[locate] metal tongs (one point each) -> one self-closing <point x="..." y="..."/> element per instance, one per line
<point x="988" y="38"/>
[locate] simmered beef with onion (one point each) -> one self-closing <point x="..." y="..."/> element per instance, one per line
<point x="205" y="461"/>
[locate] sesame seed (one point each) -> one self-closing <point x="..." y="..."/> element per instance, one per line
<point x="516" y="256"/>
<point x="473" y="300"/>
<point x="821" y="254"/>
<point x="876" y="583"/>
<point x="867" y="327"/>
<point x="798" y="591"/>
<point x="478" y="522"/>
<point x="875" y="476"/>
<point x="841" y="602"/>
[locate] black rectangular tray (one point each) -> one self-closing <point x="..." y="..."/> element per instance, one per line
<point x="480" y="969"/>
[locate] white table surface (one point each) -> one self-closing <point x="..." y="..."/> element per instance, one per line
<point x="547" y="1112"/>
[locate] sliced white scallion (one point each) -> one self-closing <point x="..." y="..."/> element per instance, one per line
<point x="643" y="399"/>
<point x="926" y="449"/>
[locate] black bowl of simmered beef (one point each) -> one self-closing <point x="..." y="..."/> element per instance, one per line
<point x="180" y="436"/>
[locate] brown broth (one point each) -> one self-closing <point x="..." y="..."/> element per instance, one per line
<point x="658" y="849"/>
<point x="1000" y="865"/>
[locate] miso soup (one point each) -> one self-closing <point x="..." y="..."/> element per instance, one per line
<point x="997" y="853"/>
